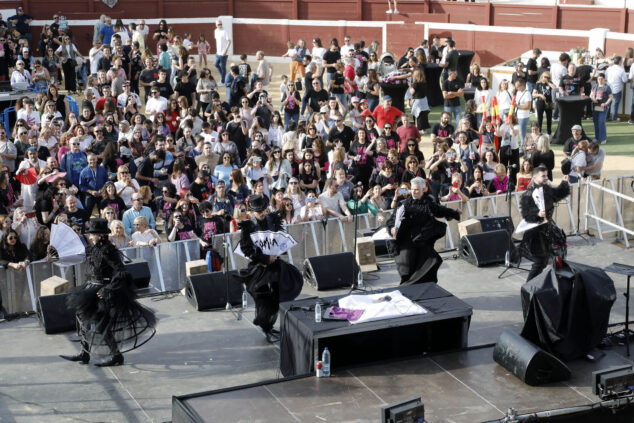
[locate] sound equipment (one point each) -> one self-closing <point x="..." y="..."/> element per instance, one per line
<point x="495" y="223"/>
<point x="484" y="248"/>
<point x="54" y="316"/>
<point x="196" y="267"/>
<point x="139" y="269"/>
<point x="209" y="290"/>
<point x="366" y="254"/>
<point x="380" y="245"/>
<point x="530" y="364"/>
<point x="330" y="271"/>
<point x="411" y="410"/>
<point x="479" y="224"/>
<point x="54" y="285"/>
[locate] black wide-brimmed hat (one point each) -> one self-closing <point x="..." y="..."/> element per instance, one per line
<point x="257" y="203"/>
<point x="98" y="226"/>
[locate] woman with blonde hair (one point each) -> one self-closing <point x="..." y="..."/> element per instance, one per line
<point x="108" y="213"/>
<point x="543" y="155"/>
<point x="294" y="193"/>
<point x="118" y="237"/>
<point x="126" y="185"/>
<point x="143" y="234"/>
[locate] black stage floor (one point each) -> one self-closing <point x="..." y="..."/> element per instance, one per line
<point x="194" y="352"/>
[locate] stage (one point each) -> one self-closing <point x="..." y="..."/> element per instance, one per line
<point x="194" y="352"/>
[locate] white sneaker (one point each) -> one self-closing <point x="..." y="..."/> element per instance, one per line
<point x="221" y="84"/>
<point x="396" y="11"/>
<point x="389" y="12"/>
<point x="604" y="141"/>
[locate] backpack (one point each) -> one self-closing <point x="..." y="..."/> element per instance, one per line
<point x="237" y="86"/>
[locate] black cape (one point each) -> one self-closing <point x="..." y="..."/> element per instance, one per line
<point x="117" y="315"/>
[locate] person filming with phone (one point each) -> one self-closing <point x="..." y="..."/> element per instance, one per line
<point x="416" y="229"/>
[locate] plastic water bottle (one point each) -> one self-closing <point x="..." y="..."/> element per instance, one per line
<point x="245" y="300"/>
<point x="325" y="363"/>
<point x="360" y="279"/>
<point x="317" y="312"/>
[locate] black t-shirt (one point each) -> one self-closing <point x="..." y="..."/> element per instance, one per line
<point x="207" y="228"/>
<point x="338" y="79"/>
<point x="584" y="72"/>
<point x="200" y="191"/>
<point x="309" y="178"/>
<point x="330" y="58"/>
<point x="185" y="89"/>
<point x="452" y="87"/>
<point x="265" y="114"/>
<point x="368" y="93"/>
<point x="452" y="60"/>
<point x="314" y="97"/>
<point x="244" y="69"/>
<point x="571" y="85"/>
<point x="346" y="136"/>
<point x="358" y="149"/>
<point x="571" y="143"/>
<point x="148" y="76"/>
<point x="165" y="89"/>
<point x="546" y="90"/>
<point x="77" y="218"/>
<point x="146" y="168"/>
<point x="531" y="65"/>
<point x="420" y="90"/>
<point x="383" y="180"/>
<point x="117" y="204"/>
<point x="442" y="132"/>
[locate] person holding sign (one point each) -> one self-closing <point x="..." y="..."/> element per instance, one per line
<point x="268" y="279"/>
<point x="542" y="237"/>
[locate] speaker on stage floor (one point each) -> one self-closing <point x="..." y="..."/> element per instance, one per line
<point x="139" y="269"/>
<point x="484" y="248"/>
<point x="330" y="271"/>
<point x="209" y="290"/>
<point x="531" y="364"/>
<point x="54" y="316"/>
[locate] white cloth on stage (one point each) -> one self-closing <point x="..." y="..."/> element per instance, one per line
<point x="386" y="305"/>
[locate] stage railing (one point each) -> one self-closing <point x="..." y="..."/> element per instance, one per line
<point x="609" y="207"/>
<point x="167" y="260"/>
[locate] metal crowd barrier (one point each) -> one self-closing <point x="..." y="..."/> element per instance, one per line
<point x="167" y="260"/>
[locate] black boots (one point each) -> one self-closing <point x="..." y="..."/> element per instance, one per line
<point x="83" y="357"/>
<point x="115" y="360"/>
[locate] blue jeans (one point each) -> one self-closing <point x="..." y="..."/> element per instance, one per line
<point x="454" y="112"/>
<point x="523" y="126"/>
<point x="372" y="104"/>
<point x="221" y="65"/>
<point x="288" y="118"/>
<point x="616" y="102"/>
<point x="599" y="118"/>
<point x="329" y="77"/>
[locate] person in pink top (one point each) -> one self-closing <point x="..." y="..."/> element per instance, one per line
<point x="203" y="49"/>
<point x="407" y="131"/>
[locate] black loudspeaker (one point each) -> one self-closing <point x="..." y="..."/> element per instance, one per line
<point x="54" y="316"/>
<point x="484" y="248"/>
<point x="331" y="271"/>
<point x="139" y="269"/>
<point x="495" y="223"/>
<point x="209" y="290"/>
<point x="530" y="364"/>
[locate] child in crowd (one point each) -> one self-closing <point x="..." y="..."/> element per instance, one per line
<point x="203" y="49"/>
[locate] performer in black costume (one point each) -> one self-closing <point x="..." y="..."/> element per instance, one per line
<point x="110" y="320"/>
<point x="268" y="279"/>
<point x="415" y="228"/>
<point x="547" y="239"/>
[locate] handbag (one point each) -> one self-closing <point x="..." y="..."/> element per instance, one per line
<point x="566" y="166"/>
<point x="599" y="108"/>
<point x="298" y="85"/>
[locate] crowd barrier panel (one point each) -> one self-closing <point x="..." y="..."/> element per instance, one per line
<point x="167" y="260"/>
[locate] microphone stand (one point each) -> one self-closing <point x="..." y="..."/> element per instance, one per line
<point x="507" y="256"/>
<point x="354" y="286"/>
<point x="228" y="306"/>
<point x="578" y="233"/>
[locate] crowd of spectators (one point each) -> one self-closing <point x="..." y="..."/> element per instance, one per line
<point x="155" y="149"/>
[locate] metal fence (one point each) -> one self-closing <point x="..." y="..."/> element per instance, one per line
<point x="589" y="203"/>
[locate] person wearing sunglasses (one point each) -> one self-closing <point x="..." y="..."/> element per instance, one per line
<point x="155" y="104"/>
<point x="70" y="57"/>
<point x="13" y="253"/>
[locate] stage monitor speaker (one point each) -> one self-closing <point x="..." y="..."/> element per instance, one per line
<point x="139" y="269"/>
<point x="54" y="316"/>
<point x="495" y="223"/>
<point x="208" y="291"/>
<point x="530" y="364"/>
<point x="484" y="248"/>
<point x="331" y="271"/>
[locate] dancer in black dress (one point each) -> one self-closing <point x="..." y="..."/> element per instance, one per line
<point x="110" y="320"/>
<point x="268" y="279"/>
<point x="547" y="239"/>
<point x="415" y="228"/>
